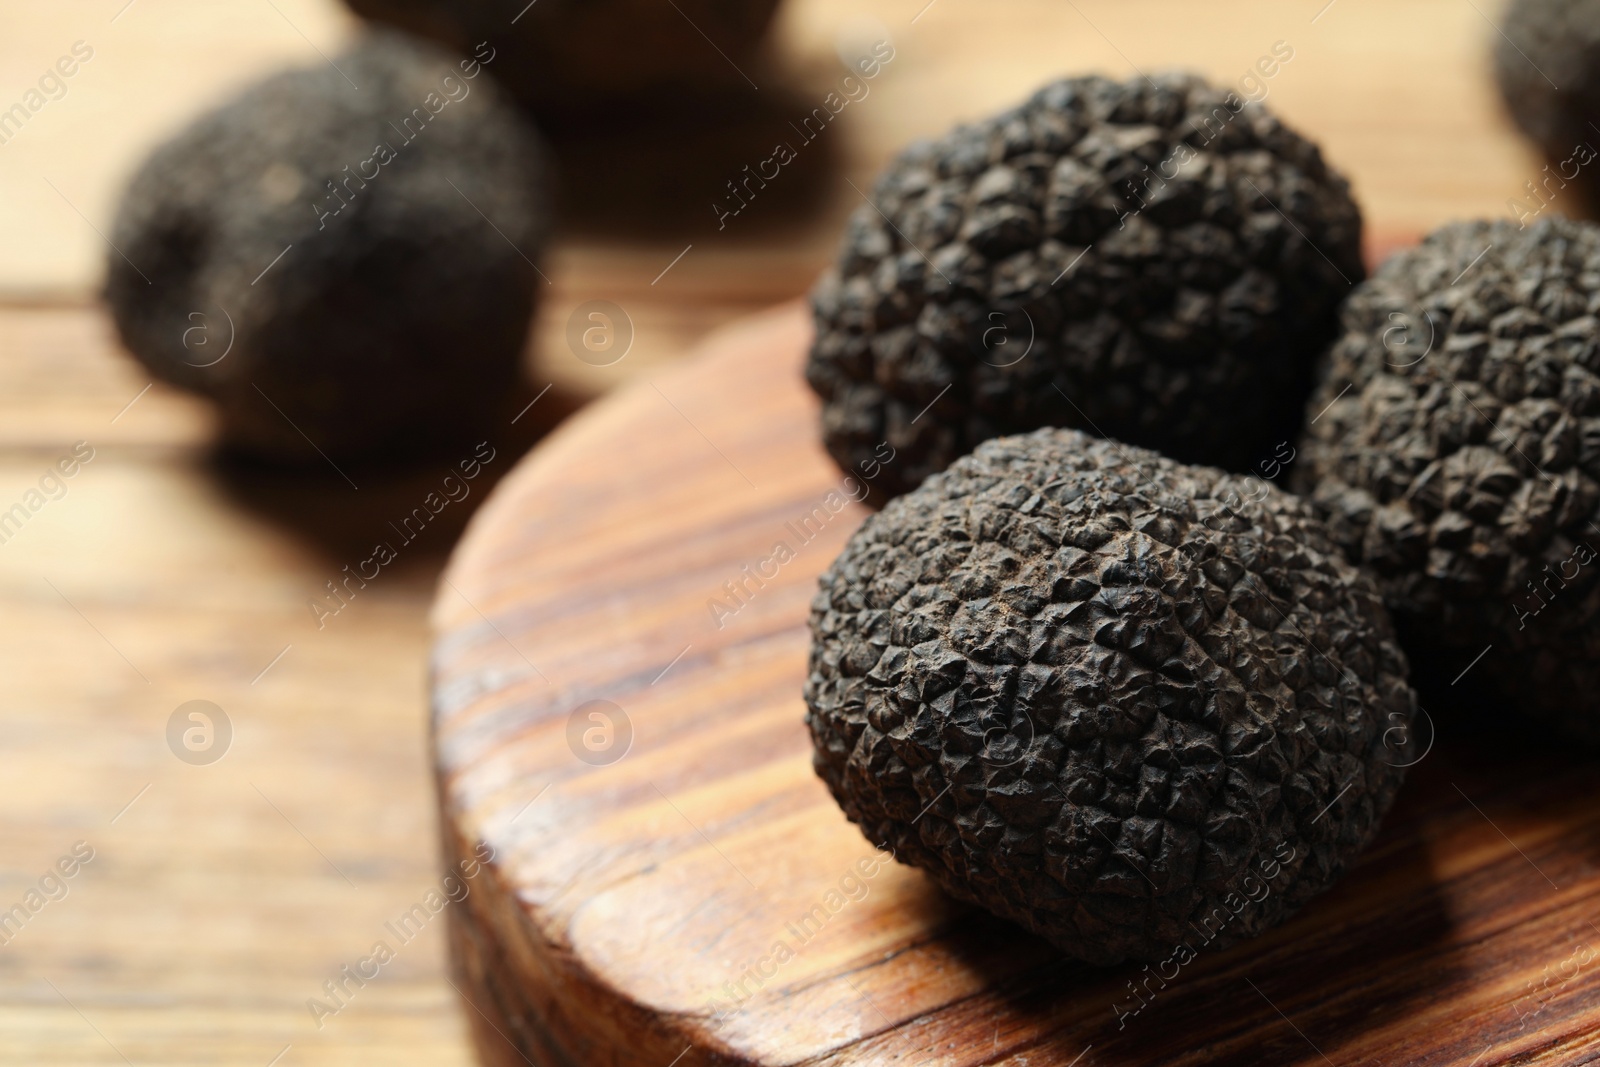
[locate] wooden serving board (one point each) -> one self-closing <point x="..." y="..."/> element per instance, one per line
<point x="687" y="893"/>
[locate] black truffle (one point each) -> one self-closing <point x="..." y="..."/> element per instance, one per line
<point x="341" y="269"/>
<point x="566" y="60"/>
<point x="1157" y="262"/>
<point x="1455" y="445"/>
<point x="1547" y="62"/>
<point x="1129" y="704"/>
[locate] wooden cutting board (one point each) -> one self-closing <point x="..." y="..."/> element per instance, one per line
<point x="617" y="717"/>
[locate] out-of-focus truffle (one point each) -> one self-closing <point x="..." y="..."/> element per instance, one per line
<point x="567" y="59"/>
<point x="1457" y="452"/>
<point x="1547" y="62"/>
<point x="341" y="257"/>
<point x="1159" y="262"/>
<point x="1132" y="705"/>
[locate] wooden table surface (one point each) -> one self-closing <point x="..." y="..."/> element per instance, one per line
<point x="221" y="898"/>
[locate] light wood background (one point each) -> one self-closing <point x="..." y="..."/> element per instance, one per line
<point x="226" y="895"/>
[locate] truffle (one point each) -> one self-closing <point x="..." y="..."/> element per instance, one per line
<point x="342" y="269"/>
<point x="1135" y="706"/>
<point x="1547" y="62"/>
<point x="568" y="59"/>
<point x="1158" y="262"/>
<point x="1455" y="446"/>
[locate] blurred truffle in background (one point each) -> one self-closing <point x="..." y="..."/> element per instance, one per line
<point x="653" y="109"/>
<point x="1547" y="62"/>
<point x="343" y="256"/>
<point x="565" y="60"/>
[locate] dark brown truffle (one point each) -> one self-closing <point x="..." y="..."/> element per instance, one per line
<point x="1158" y="262"/>
<point x="567" y="59"/>
<point x="1455" y="445"/>
<point x="1129" y="704"/>
<point x="1547" y="62"/>
<point x="343" y="270"/>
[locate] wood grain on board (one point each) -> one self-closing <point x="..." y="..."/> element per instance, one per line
<point x="679" y="887"/>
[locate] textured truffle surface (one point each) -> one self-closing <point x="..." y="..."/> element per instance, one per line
<point x="1108" y="696"/>
<point x="1547" y="62"/>
<point x="565" y="58"/>
<point x="1459" y="451"/>
<point x="363" y="257"/>
<point x="1159" y="263"/>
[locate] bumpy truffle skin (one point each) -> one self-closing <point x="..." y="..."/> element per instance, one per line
<point x="1547" y="62"/>
<point x="364" y="257"/>
<point x="1126" y="703"/>
<point x="1459" y="450"/>
<point x="1156" y="263"/>
<point x="568" y="58"/>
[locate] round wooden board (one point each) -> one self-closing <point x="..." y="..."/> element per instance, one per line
<point x="691" y="895"/>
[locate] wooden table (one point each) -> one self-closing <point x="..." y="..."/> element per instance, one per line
<point x="222" y="897"/>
